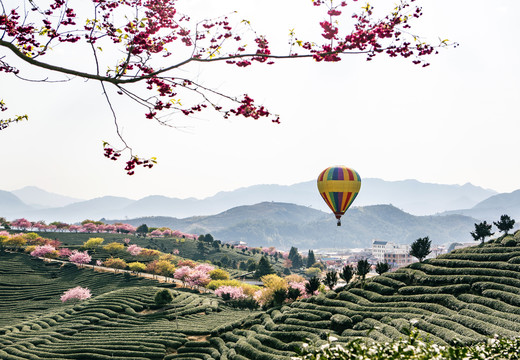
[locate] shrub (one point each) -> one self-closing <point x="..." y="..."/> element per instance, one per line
<point x="340" y="322"/>
<point x="114" y="247"/>
<point x="137" y="266"/>
<point x="115" y="263"/>
<point x="93" y="243"/>
<point x="218" y="274"/>
<point x="163" y="297"/>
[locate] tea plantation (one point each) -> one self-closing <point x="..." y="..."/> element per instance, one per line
<point x="462" y="298"/>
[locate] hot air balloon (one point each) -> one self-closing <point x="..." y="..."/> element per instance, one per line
<point x="339" y="186"/>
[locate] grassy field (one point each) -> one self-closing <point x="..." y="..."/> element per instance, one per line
<point x="463" y="297"/>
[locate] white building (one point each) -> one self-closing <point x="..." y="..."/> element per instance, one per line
<point x="381" y="248"/>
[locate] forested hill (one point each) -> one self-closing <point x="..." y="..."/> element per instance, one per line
<point x="284" y="225"/>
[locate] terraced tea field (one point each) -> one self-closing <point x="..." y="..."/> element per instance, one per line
<point x="463" y="297"/>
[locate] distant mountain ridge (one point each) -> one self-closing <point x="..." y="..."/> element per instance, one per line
<point x="409" y="195"/>
<point x="41" y="199"/>
<point x="284" y="225"/>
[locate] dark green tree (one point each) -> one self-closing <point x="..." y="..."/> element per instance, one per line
<point x="420" y="248"/>
<point x="163" y="297"/>
<point x="295" y="257"/>
<point x="382" y="267"/>
<point x="482" y="231"/>
<point x="208" y="238"/>
<point x="311" y="259"/>
<point x="201" y="248"/>
<point x="293" y="293"/>
<point x="263" y="268"/>
<point x="279" y="296"/>
<point x="347" y="273"/>
<point x="312" y="285"/>
<point x="142" y="230"/>
<point x="331" y="279"/>
<point x="504" y="224"/>
<point x="363" y="268"/>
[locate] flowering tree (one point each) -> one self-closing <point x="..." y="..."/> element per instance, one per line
<point x="22" y="224"/>
<point x="77" y="293"/>
<point x="43" y="251"/>
<point x="80" y="257"/>
<point x="231" y="292"/>
<point x="134" y="249"/>
<point x="151" y="42"/>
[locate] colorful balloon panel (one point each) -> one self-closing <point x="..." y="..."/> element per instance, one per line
<point x="339" y="186"/>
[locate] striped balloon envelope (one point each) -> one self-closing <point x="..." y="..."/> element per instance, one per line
<point x="339" y="186"/>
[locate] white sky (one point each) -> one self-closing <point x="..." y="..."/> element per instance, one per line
<point x="454" y="122"/>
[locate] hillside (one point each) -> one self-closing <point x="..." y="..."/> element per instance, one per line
<point x="11" y="203"/>
<point x="493" y="207"/>
<point x="284" y="225"/>
<point x="463" y="297"/>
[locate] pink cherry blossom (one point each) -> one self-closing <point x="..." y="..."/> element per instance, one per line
<point x="80" y="257"/>
<point x="43" y="250"/>
<point x="77" y="293"/>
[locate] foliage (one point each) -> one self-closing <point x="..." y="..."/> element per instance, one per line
<point x="505" y="223"/>
<point x="311" y="259"/>
<point x="80" y="257"/>
<point x="93" y="243"/>
<point x="134" y="249"/>
<point x="295" y="257"/>
<point x="44" y="251"/>
<point x="347" y="273"/>
<point x="14" y="241"/>
<point x="115" y="263"/>
<point x="142" y="229"/>
<point x="77" y="293"/>
<point x="331" y="279"/>
<point x="420" y="248"/>
<point x="248" y="288"/>
<point x="230" y="292"/>
<point x="219" y="274"/>
<point x="263" y="268"/>
<point x="313" y="271"/>
<point x="163" y="297"/>
<point x="114" y="248"/>
<point x="382" y="267"/>
<point x="164" y="268"/>
<point x="312" y="285"/>
<point x="482" y="231"/>
<point x="362" y="269"/>
<point x="136" y="266"/>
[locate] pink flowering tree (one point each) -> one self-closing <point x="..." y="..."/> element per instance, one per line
<point x="182" y="273"/>
<point x="126" y="241"/>
<point x="22" y="224"/>
<point x="43" y="251"/>
<point x="64" y="252"/>
<point x="74" y="228"/>
<point x="175" y="252"/>
<point x="80" y="257"/>
<point x="230" y="292"/>
<point x="156" y="232"/>
<point x="197" y="278"/>
<point x="134" y="249"/>
<point x="89" y="228"/>
<point x="76" y="294"/>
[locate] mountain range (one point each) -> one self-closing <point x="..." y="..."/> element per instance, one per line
<point x="283" y="216"/>
<point x="284" y="225"/>
<point x="411" y="196"/>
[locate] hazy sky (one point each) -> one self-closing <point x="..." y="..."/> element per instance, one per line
<point x="454" y="122"/>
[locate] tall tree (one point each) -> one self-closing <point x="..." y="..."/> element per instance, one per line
<point x="143" y="50"/>
<point x="331" y="279"/>
<point x="482" y="231"/>
<point x="504" y="224"/>
<point x="382" y="267"/>
<point x="347" y="273"/>
<point x="295" y="257"/>
<point x="420" y="248"/>
<point x="363" y="268"/>
<point x="312" y="285"/>
<point x="142" y="230"/>
<point x="263" y="268"/>
<point x="311" y="259"/>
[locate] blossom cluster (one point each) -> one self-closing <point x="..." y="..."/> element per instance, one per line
<point x="77" y="293"/>
<point x="231" y="292"/>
